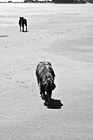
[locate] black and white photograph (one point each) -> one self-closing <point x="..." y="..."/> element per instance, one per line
<point x="46" y="69"/>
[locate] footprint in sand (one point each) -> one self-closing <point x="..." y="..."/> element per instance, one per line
<point x="3" y="35"/>
<point x="9" y="78"/>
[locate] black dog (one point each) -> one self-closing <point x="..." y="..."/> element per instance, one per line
<point x="45" y="77"/>
<point x="22" y="22"/>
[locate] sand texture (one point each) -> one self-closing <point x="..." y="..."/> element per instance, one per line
<point x="63" y="35"/>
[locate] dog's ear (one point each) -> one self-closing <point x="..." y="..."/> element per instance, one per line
<point x="20" y="18"/>
<point x="53" y="86"/>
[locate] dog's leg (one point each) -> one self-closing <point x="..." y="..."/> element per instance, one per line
<point x="23" y="27"/>
<point x="26" y="28"/>
<point x="48" y="98"/>
<point x="42" y="92"/>
<point x="20" y="28"/>
<point x="49" y="95"/>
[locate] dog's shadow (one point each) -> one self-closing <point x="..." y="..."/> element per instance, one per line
<point x="55" y="104"/>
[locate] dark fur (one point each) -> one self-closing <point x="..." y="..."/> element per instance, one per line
<point x="22" y="22"/>
<point x="45" y="77"/>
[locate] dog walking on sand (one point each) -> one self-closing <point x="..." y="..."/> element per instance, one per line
<point x="45" y="78"/>
<point x="22" y="23"/>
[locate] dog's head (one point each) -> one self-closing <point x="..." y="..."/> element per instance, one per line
<point x="49" y="85"/>
<point x="21" y="19"/>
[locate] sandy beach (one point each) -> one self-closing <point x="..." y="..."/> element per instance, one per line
<point x="63" y="35"/>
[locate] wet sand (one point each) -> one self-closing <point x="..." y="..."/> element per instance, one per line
<point x="63" y="35"/>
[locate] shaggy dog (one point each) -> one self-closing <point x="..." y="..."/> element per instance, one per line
<point x="22" y="22"/>
<point x="45" y="78"/>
